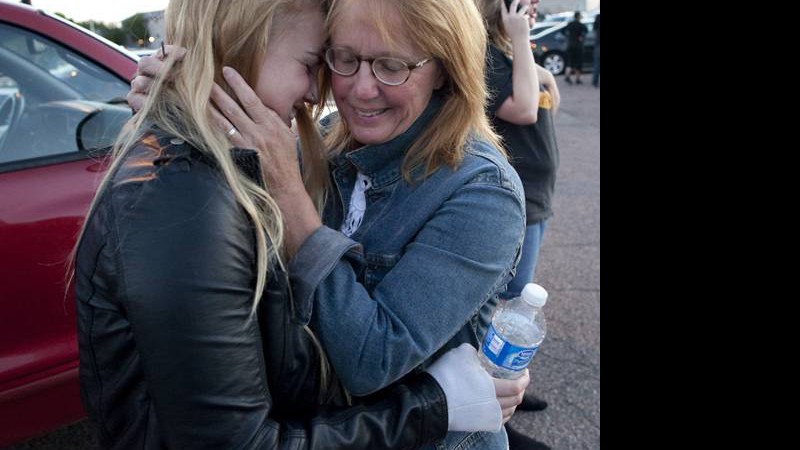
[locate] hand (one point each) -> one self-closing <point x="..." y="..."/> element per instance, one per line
<point x="518" y="21"/>
<point x="510" y="392"/>
<point x="146" y="71"/>
<point x="255" y="126"/>
<point x="471" y="401"/>
<point x="259" y="128"/>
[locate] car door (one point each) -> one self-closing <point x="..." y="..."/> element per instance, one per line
<point x="57" y="107"/>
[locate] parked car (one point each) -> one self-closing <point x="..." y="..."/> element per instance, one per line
<point x="141" y="52"/>
<point x="62" y="97"/>
<point x="549" y="46"/>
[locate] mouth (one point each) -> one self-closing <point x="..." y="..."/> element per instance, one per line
<point x="369" y="113"/>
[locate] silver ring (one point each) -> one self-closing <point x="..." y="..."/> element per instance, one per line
<point x="232" y="131"/>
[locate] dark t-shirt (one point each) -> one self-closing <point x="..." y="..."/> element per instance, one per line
<point x="576" y="32"/>
<point x="532" y="148"/>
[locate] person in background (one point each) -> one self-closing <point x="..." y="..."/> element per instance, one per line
<point x="524" y="98"/>
<point x="575" y="32"/>
<point x="596" y="68"/>
<point x="186" y="322"/>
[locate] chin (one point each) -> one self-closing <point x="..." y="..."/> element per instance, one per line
<point x="369" y="137"/>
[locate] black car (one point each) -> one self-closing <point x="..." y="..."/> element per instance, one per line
<point x="549" y="45"/>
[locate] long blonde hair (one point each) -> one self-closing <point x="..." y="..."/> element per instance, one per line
<point x="452" y="32"/>
<point x="217" y="33"/>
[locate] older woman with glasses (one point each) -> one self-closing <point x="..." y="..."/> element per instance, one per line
<point x="424" y="216"/>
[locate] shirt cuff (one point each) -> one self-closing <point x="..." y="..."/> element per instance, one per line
<point x="312" y="263"/>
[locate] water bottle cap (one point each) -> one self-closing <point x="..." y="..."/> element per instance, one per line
<point x="534" y="295"/>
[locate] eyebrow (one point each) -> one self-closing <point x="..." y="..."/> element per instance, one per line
<point x="380" y="55"/>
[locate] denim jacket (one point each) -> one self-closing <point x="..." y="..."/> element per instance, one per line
<point x="422" y="273"/>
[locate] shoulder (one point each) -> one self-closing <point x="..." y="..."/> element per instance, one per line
<point x="495" y="58"/>
<point x="165" y="180"/>
<point x="484" y="163"/>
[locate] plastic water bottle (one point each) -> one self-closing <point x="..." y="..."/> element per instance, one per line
<point x="518" y="328"/>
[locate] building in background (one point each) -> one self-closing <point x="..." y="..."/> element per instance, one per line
<point x="156" y="27"/>
<point x="144" y="30"/>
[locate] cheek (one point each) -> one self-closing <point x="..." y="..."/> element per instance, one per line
<point x="263" y="92"/>
<point x="413" y="97"/>
<point x="339" y="86"/>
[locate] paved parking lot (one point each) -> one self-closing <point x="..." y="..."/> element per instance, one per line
<point x="566" y="370"/>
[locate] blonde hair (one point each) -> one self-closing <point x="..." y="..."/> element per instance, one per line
<point x="219" y="33"/>
<point x="452" y="32"/>
<point x="493" y="20"/>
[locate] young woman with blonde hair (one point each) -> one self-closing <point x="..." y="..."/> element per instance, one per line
<point x="187" y="333"/>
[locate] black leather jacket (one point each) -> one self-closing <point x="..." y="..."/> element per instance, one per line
<point x="169" y="355"/>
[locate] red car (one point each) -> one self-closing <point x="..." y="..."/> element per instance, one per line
<point x="62" y="97"/>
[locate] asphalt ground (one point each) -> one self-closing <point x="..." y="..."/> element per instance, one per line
<point x="566" y="370"/>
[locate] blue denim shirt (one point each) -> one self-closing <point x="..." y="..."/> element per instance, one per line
<point x="429" y="256"/>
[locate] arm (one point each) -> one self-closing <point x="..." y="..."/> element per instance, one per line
<point x="412" y="311"/>
<point x="407" y="311"/>
<point x="522" y="106"/>
<point x="549" y="84"/>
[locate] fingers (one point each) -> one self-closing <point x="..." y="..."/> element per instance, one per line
<point x="140" y="87"/>
<point x="236" y="117"/>
<point x="510" y="392"/>
<point x="223" y="124"/>
<point x="171" y="50"/>
<point x="505" y="388"/>
<point x="508" y="414"/>
<point x="252" y="104"/>
<point x="141" y="84"/>
<point x="135" y="100"/>
<point x="149" y="66"/>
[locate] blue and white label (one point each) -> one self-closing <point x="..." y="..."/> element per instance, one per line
<point x="505" y="354"/>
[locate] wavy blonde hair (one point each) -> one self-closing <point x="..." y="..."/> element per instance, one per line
<point x="219" y="33"/>
<point x="452" y="32"/>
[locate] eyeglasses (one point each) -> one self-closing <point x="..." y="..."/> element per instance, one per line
<point x="387" y="70"/>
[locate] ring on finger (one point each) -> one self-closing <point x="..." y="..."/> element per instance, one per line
<point x="232" y="131"/>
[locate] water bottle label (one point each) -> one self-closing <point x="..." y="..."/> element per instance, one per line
<point x="505" y="354"/>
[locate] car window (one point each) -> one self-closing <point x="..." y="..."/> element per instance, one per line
<point x="540" y="27"/>
<point x="554" y="28"/>
<point x="54" y="101"/>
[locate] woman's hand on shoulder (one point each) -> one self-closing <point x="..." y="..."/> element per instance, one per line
<point x="146" y="71"/>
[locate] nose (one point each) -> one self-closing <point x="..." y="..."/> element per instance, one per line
<point x="365" y="83"/>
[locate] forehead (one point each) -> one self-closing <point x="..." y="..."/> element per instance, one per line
<point x="371" y="28"/>
<point x="301" y="29"/>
